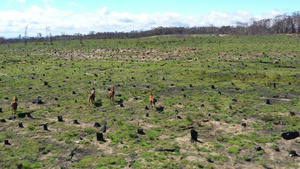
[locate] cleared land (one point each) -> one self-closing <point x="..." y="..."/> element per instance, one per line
<point x="218" y="86"/>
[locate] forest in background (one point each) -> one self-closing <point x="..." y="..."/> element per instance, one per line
<point x="282" y="24"/>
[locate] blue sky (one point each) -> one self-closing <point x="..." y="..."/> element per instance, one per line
<point x="83" y="16"/>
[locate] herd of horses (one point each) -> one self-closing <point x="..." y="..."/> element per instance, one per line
<point x="91" y="99"/>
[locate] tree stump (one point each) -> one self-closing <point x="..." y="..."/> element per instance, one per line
<point x="75" y="122"/>
<point x="45" y="127"/>
<point x="20" y="166"/>
<point x="268" y="101"/>
<point x="257" y="148"/>
<point x="29" y="115"/>
<point x="194" y="135"/>
<point x="60" y="119"/>
<point x="290" y="135"/>
<point x="21" y="125"/>
<point x="100" y="137"/>
<point x="140" y="131"/>
<point x="292" y="113"/>
<point x="244" y="124"/>
<point x="104" y="127"/>
<point x="97" y="124"/>
<point x="6" y="142"/>
<point x="293" y="154"/>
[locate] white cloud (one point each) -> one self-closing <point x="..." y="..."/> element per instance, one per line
<point x="22" y="1"/>
<point x="271" y="14"/>
<point x="76" y="5"/>
<point x="13" y="23"/>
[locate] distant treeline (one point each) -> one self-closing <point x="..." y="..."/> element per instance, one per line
<point x="282" y="24"/>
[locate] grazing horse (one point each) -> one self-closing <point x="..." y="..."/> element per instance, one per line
<point x="111" y="93"/>
<point x="14" y="105"/>
<point x="152" y="100"/>
<point x="92" y="96"/>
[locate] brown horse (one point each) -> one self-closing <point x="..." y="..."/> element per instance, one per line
<point x="14" y="105"/>
<point x="111" y="94"/>
<point x="152" y="100"/>
<point x="92" y="96"/>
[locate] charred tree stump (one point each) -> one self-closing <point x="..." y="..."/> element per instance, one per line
<point x="73" y="152"/>
<point x="292" y="113"/>
<point x="244" y="124"/>
<point x="1" y="110"/>
<point x="290" y="135"/>
<point x="194" y="135"/>
<point x="257" y="148"/>
<point x="100" y="137"/>
<point x="268" y="101"/>
<point x="75" y="122"/>
<point x="293" y="154"/>
<point x="104" y="127"/>
<point x="29" y="115"/>
<point x="60" y="119"/>
<point x="141" y="131"/>
<point x="45" y="127"/>
<point x="97" y="124"/>
<point x="6" y="142"/>
<point x="21" y="125"/>
<point x="20" y="166"/>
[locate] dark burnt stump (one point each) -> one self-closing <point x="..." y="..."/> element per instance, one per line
<point x="6" y="142"/>
<point x="100" y="137"/>
<point x="104" y="127"/>
<point x="75" y="122"/>
<point x="257" y="148"/>
<point x="97" y="124"/>
<point x="178" y="117"/>
<point x="1" y="110"/>
<point x="29" y="115"/>
<point x="268" y="101"/>
<point x="194" y="135"/>
<point x="21" y="125"/>
<point x="244" y="124"/>
<point x="141" y="131"/>
<point x="45" y="127"/>
<point x="290" y="135"/>
<point x="60" y="119"/>
<point x="293" y="153"/>
<point x="20" y="166"/>
<point x="2" y="120"/>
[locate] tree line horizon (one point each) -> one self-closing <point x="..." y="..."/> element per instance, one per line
<point x="281" y="24"/>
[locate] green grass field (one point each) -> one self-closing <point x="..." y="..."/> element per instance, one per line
<point x="214" y="84"/>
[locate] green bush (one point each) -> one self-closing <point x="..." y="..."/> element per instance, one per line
<point x="234" y="150"/>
